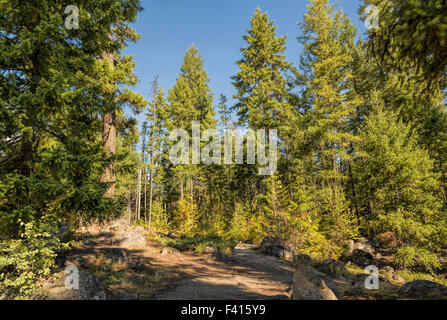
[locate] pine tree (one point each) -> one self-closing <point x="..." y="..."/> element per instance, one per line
<point x="261" y="84"/>
<point x="190" y="100"/>
<point x="412" y="36"/>
<point x="328" y="39"/>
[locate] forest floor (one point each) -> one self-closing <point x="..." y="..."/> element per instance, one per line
<point x="245" y="274"/>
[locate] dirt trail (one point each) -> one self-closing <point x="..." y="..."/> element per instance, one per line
<point x="247" y="275"/>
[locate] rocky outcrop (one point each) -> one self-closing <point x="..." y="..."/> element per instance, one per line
<point x="424" y="289"/>
<point x="132" y="238"/>
<point x="90" y="288"/>
<point x="309" y="284"/>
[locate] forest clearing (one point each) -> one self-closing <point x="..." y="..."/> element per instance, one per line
<point x="308" y="164"/>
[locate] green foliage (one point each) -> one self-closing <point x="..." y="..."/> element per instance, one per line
<point x="186" y="218"/>
<point x="246" y="226"/>
<point x="262" y="89"/>
<point x="412" y="35"/>
<point x="160" y="220"/>
<point x="28" y="259"/>
<point x="199" y="243"/>
<point x="338" y="221"/>
<point x="410" y="257"/>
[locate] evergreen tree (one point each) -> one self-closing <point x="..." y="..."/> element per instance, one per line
<point x="190" y="100"/>
<point x="261" y="84"/>
<point x="412" y="35"/>
<point x="397" y="183"/>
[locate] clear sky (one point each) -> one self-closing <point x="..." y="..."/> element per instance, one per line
<point x="169" y="27"/>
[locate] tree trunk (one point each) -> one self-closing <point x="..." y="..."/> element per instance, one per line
<point x="138" y="197"/>
<point x="109" y="141"/>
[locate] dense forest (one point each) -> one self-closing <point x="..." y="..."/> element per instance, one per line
<point x="361" y="134"/>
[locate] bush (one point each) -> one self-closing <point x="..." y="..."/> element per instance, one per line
<point x="159" y="219"/>
<point x="414" y="257"/>
<point x="26" y="260"/>
<point x="245" y="226"/>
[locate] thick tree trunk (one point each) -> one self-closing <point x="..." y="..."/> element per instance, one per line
<point x="109" y="141"/>
<point x="109" y="144"/>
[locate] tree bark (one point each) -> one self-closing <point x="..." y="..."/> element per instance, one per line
<point x="109" y="141"/>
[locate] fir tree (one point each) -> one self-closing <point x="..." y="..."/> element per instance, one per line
<point x="261" y="84"/>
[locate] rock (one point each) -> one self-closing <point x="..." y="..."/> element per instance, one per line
<point x="362" y="258"/>
<point x="364" y="244"/>
<point x="271" y="242"/>
<point x="388" y="239"/>
<point x="210" y="250"/>
<point x="276" y="248"/>
<point x="334" y="268"/>
<point x="424" y="289"/>
<point x="90" y="288"/>
<point x="309" y="284"/>
<point x="350" y="246"/>
<point x="169" y="251"/>
<point x="133" y="238"/>
<point x="393" y="276"/>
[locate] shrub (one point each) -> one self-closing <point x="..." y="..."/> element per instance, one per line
<point x="415" y="257"/>
<point x="245" y="226"/>
<point x="25" y="260"/>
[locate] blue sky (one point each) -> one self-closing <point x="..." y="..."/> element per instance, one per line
<point x="169" y="27"/>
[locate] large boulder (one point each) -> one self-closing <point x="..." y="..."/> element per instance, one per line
<point x="90" y="288"/>
<point x="309" y="284"/>
<point x="424" y="289"/>
<point x="132" y="238"/>
<point x="361" y="252"/>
